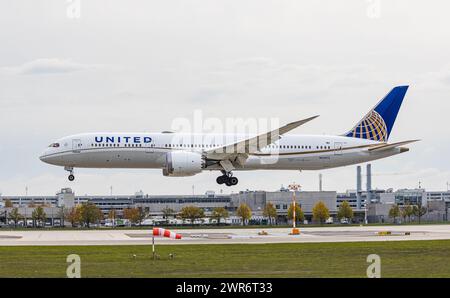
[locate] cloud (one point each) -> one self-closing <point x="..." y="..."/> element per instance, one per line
<point x="48" y="66"/>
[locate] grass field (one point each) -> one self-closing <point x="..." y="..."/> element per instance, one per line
<point x="398" y="259"/>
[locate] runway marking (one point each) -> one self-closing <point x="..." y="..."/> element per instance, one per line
<point x="10" y="237"/>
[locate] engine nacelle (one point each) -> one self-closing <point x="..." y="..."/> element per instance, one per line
<point x="183" y="163"/>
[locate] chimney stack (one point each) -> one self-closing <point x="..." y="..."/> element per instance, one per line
<point x="369" y="182"/>
<point x="358" y="179"/>
<point x="320" y="182"/>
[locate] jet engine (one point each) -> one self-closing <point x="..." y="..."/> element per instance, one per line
<point x="182" y="163"/>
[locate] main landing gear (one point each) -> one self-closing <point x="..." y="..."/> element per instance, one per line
<point x="227" y="179"/>
<point x="71" y="176"/>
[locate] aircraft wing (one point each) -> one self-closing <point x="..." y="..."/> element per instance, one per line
<point x="390" y="146"/>
<point x="234" y="155"/>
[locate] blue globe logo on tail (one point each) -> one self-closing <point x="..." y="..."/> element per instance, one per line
<point x="372" y="127"/>
<point x="378" y="123"/>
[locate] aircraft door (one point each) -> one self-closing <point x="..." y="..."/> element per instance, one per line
<point x="150" y="147"/>
<point x="76" y="145"/>
<point x="338" y="148"/>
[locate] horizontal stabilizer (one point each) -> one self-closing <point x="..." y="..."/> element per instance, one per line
<point x="390" y="146"/>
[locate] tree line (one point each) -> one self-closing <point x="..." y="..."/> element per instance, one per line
<point x="407" y="211"/>
<point x="320" y="213"/>
<point x="87" y="214"/>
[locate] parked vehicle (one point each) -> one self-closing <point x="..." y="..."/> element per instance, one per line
<point x="345" y="221"/>
<point x="148" y="222"/>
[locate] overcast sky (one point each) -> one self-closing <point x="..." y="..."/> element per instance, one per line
<point x="82" y="66"/>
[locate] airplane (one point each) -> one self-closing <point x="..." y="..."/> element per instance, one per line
<point x="187" y="154"/>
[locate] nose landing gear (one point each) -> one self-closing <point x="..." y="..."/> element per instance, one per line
<point x="70" y="170"/>
<point x="227" y="179"/>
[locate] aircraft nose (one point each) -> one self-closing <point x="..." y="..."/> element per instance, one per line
<point x="44" y="156"/>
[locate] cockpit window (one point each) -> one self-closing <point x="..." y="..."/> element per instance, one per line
<point x="54" y="145"/>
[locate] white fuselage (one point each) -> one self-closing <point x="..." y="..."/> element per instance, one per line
<point x="149" y="150"/>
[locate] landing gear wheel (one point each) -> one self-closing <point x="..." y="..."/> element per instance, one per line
<point x="70" y="170"/>
<point x="221" y="179"/>
<point x="227" y="178"/>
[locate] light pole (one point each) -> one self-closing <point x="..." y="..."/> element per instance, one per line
<point x="294" y="187"/>
<point x="365" y="213"/>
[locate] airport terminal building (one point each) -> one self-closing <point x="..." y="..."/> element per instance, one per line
<point x="153" y="205"/>
<point x="369" y="205"/>
<point x="377" y="210"/>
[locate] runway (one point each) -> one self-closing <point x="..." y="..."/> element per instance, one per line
<point x="225" y="236"/>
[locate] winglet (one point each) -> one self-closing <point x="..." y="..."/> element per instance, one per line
<point x="295" y="124"/>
